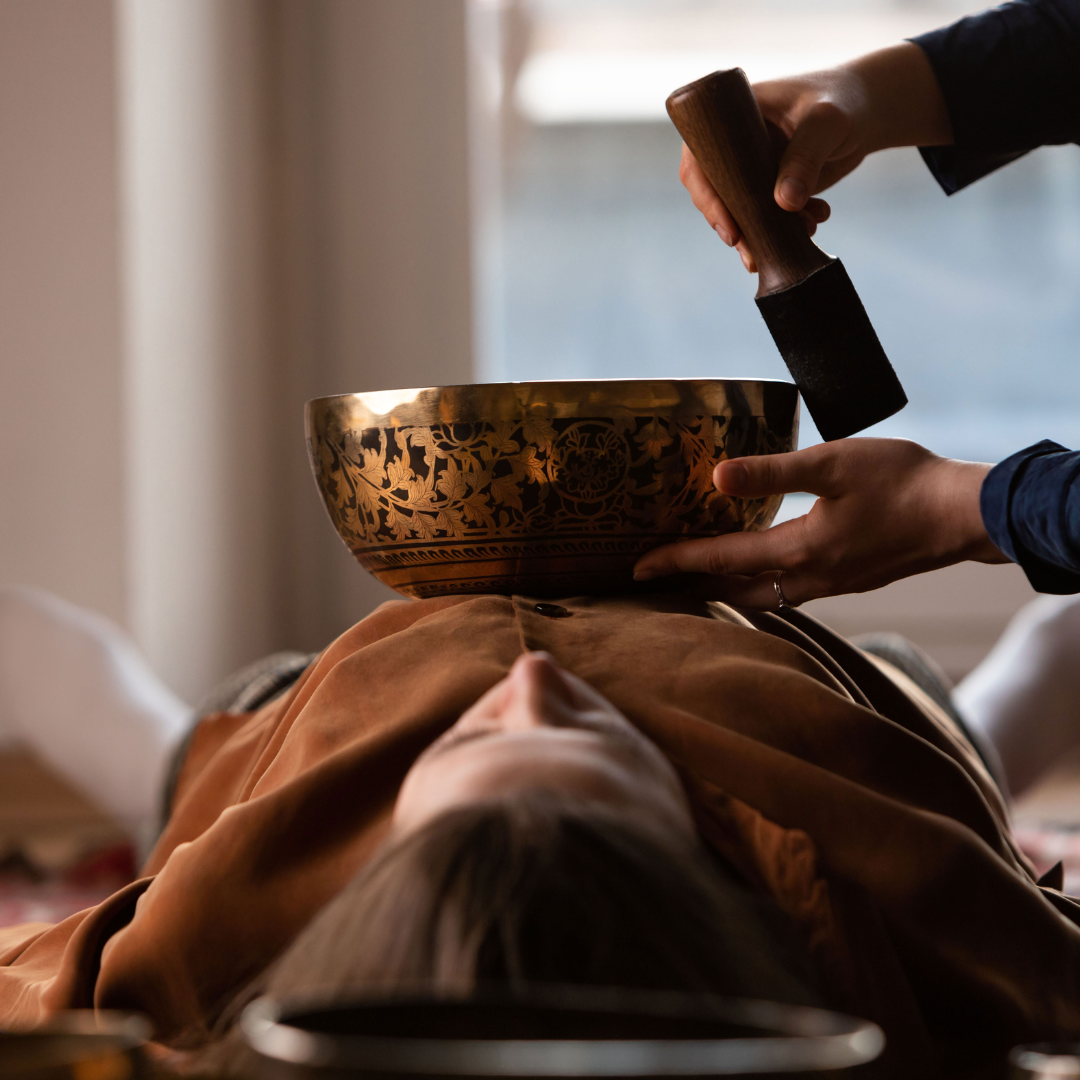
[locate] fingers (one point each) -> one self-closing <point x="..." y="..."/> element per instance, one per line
<point x="706" y="200"/>
<point x="814" y="470"/>
<point x="818" y="136"/>
<point x="817" y="210"/>
<point x="756" y="590"/>
<point x="784" y="547"/>
<point x="716" y="213"/>
<point x="889" y="508"/>
<point x="736" y="553"/>
<point x="814" y="213"/>
<point x="747" y="259"/>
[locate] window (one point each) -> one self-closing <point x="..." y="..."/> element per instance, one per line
<point x="608" y="271"/>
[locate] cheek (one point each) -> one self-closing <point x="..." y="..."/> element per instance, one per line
<point x="412" y="796"/>
<point x="430" y="787"/>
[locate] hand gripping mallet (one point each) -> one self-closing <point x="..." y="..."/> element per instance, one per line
<point x="805" y="296"/>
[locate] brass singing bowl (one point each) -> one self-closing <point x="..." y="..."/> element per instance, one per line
<point x="540" y="488"/>
<point x="77" y="1045"/>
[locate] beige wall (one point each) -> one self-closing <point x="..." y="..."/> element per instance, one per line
<point x="61" y="442"/>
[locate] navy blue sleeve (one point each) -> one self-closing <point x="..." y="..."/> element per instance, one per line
<point x="1030" y="505"/>
<point x="1011" y="81"/>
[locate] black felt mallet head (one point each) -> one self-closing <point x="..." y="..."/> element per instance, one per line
<point x="805" y="296"/>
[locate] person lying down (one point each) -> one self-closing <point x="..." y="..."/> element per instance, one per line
<point x="648" y="792"/>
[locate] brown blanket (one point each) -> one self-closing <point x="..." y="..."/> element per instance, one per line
<point x="861" y="810"/>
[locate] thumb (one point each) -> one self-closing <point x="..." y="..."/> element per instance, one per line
<point x="820" y="133"/>
<point x="811" y="470"/>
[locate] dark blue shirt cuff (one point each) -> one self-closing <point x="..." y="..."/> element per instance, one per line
<point x="1030" y="505"/>
<point x="1011" y="81"/>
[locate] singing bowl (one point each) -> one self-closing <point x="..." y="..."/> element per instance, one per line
<point x="540" y="488"/>
<point x="77" y="1045"/>
<point x="1045" y="1061"/>
<point x="553" y="1033"/>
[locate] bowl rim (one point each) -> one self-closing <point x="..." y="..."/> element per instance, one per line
<point x="793" y="1038"/>
<point x="71" y="1037"/>
<point x="487" y="384"/>
<point x="554" y="398"/>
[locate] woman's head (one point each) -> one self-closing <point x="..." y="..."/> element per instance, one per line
<point x="542" y="888"/>
<point x="542" y="838"/>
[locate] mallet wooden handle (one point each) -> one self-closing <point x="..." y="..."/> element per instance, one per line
<point x="719" y="119"/>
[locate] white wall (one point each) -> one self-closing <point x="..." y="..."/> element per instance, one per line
<point x="61" y="444"/>
<point x="211" y="210"/>
<point x="198" y="342"/>
<point x="297" y="223"/>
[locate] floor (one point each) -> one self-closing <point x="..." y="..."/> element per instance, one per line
<point x="58" y="852"/>
<point x="1047" y="821"/>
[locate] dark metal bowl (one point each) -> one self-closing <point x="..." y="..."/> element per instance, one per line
<point x="1045" y="1061"/>
<point x="564" y="1033"/>
<point x="541" y="488"/>
<point x="77" y="1045"/>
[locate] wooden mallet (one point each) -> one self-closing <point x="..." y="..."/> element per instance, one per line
<point x="805" y="296"/>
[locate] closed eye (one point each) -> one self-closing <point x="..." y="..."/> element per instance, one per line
<point x="614" y="734"/>
<point x="457" y="736"/>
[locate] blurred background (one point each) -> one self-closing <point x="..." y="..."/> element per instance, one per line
<point x="212" y="210"/>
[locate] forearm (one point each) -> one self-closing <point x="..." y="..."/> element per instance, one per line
<point x="905" y="102"/>
<point x="955" y="514"/>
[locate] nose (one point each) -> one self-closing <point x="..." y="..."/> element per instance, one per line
<point x="538" y="686"/>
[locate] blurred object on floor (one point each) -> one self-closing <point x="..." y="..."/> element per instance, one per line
<point x="77" y="1044"/>
<point x="58" y="852"/>
<point x="1047" y="821"/>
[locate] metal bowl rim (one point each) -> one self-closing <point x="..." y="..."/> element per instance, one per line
<point x="419" y="405"/>
<point x="132" y="1028"/>
<point x="684" y="380"/>
<point x="71" y="1038"/>
<point x="1041" y="1057"/>
<point x="840" y="1042"/>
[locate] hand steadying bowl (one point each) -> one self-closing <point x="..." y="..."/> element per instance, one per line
<point x="540" y="488"/>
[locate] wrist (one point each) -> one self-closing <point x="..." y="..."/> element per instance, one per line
<point x="958" y="507"/>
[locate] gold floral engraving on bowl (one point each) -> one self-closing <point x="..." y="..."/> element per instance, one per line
<point x="545" y="503"/>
